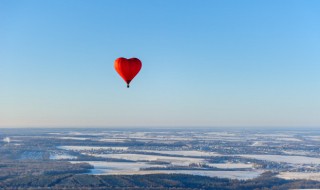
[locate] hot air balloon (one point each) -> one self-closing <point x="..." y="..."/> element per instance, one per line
<point x="127" y="68"/>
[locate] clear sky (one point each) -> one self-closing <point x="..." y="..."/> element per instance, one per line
<point x="205" y="63"/>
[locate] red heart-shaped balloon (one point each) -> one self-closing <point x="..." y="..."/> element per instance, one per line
<point x="127" y="68"/>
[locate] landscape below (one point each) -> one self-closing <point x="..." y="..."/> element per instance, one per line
<point x="159" y="159"/>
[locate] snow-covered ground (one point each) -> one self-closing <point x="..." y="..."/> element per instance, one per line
<point x="79" y="148"/>
<point x="73" y="138"/>
<point x="314" y="138"/>
<point x="177" y="161"/>
<point x="272" y="135"/>
<point x="221" y="134"/>
<point x="287" y="159"/>
<point x="296" y="152"/>
<point x="141" y="157"/>
<point x="299" y="175"/>
<point x="232" y="165"/>
<point x="111" y="140"/>
<point x="53" y="133"/>
<point x="101" y="167"/>
<point x="258" y="143"/>
<point x="62" y="157"/>
<point x="190" y="153"/>
<point x="243" y="175"/>
<point x="288" y="139"/>
<point x="133" y="168"/>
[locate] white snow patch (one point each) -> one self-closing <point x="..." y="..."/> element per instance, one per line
<point x="112" y="140"/>
<point x="184" y="153"/>
<point x="6" y="139"/>
<point x="282" y="158"/>
<point x="73" y="138"/>
<point x="288" y="139"/>
<point x="177" y="161"/>
<point x="61" y="157"/>
<point x="314" y="138"/>
<point x="133" y="168"/>
<point x="231" y="165"/>
<point x="80" y="148"/>
<point x="296" y="152"/>
<point x="299" y="175"/>
<point x="53" y="133"/>
<point x="101" y="167"/>
<point x="257" y="143"/>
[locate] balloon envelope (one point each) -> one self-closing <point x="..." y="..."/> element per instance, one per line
<point x="127" y="68"/>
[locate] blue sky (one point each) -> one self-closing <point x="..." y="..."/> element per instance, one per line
<point x="205" y="63"/>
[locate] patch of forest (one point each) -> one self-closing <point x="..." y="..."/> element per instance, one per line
<point x="153" y="182"/>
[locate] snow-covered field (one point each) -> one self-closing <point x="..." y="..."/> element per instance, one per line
<point x="111" y="140"/>
<point x="73" y="138"/>
<point x="272" y="135"/>
<point x="287" y="159"/>
<point x="288" y="139"/>
<point x="177" y="161"/>
<point x="101" y="167"/>
<point x="314" y="138"/>
<point x="62" y="157"/>
<point x="243" y="175"/>
<point x="296" y="152"/>
<point x="299" y="175"/>
<point x="221" y="134"/>
<point x="141" y="161"/>
<point x="190" y="153"/>
<point x="232" y="165"/>
<point x="161" y="155"/>
<point x="79" y="148"/>
<point x="133" y="168"/>
<point x="258" y="143"/>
